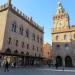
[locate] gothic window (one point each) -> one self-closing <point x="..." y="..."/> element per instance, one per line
<point x="33" y="47"/>
<point x="21" y="30"/>
<point x="57" y="37"/>
<point x="22" y="44"/>
<point x="14" y="27"/>
<point x="16" y="42"/>
<point x="27" y="46"/>
<point x="65" y="37"/>
<point x="33" y="36"/>
<point x="41" y="40"/>
<point x="27" y="33"/>
<point x="9" y="40"/>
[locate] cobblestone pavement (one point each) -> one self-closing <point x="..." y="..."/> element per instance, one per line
<point x="38" y="71"/>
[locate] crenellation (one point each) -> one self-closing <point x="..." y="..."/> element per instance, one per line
<point x="2" y="7"/>
<point x="17" y="10"/>
<point x="14" y="8"/>
<point x="22" y="14"/>
<point x="30" y="18"/>
<point x="27" y="17"/>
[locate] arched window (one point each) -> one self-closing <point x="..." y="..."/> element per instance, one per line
<point x="9" y="40"/>
<point x="21" y="30"/>
<point x="33" y="48"/>
<point x="14" y="27"/>
<point x="65" y="37"/>
<point x="27" y="33"/>
<point x="27" y="46"/>
<point x="16" y="42"/>
<point x="33" y="36"/>
<point x="22" y="44"/>
<point x="57" y="37"/>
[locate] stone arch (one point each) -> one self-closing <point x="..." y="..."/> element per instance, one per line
<point x="68" y="61"/>
<point x="59" y="60"/>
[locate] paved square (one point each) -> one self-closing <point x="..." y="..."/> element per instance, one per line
<point x="37" y="71"/>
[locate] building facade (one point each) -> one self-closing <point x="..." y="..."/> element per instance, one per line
<point x="63" y="38"/>
<point x="47" y="53"/>
<point x="21" y="39"/>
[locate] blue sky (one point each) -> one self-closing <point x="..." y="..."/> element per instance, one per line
<point x="42" y="12"/>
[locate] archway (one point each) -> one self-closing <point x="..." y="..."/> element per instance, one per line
<point x="68" y="61"/>
<point x="59" y="60"/>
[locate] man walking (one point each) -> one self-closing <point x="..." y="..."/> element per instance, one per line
<point x="6" y="66"/>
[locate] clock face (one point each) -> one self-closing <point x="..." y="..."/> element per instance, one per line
<point x="60" y="24"/>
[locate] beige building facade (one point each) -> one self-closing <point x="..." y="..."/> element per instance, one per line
<point x="47" y="53"/>
<point x="21" y="39"/>
<point x="63" y="38"/>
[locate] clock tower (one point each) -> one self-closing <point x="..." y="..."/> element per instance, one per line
<point x="61" y="19"/>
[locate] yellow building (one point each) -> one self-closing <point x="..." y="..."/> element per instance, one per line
<point x="47" y="53"/>
<point x="21" y="39"/>
<point x="63" y="38"/>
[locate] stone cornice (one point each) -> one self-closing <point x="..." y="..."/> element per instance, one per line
<point x="64" y="30"/>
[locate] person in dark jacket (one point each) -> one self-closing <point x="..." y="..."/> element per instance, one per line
<point x="14" y="64"/>
<point x="56" y="65"/>
<point x="6" y="66"/>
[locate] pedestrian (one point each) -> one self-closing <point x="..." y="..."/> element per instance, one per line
<point x="56" y="65"/>
<point x="6" y="66"/>
<point x="63" y="67"/>
<point x="14" y="64"/>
